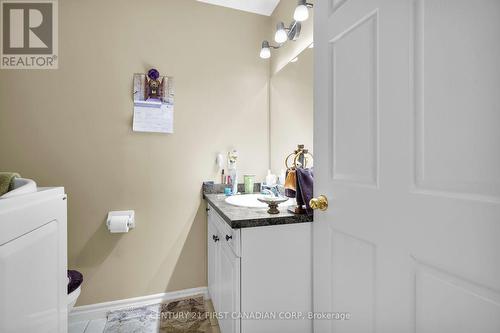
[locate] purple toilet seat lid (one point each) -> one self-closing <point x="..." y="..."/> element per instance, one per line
<point x="75" y="279"/>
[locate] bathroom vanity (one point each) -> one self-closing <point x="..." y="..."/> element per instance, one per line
<point x="259" y="267"/>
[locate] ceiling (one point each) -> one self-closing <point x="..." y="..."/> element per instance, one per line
<point x="263" y="7"/>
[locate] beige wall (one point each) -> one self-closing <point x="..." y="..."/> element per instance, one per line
<point x="284" y="12"/>
<point x="72" y="127"/>
<point x="291" y="108"/>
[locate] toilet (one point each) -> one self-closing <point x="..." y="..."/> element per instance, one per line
<point x="75" y="280"/>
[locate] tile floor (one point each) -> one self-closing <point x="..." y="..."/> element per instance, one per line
<point x="97" y="325"/>
<point x="88" y="326"/>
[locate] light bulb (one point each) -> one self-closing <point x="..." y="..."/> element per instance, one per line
<point x="301" y="12"/>
<point x="280" y="36"/>
<point x="265" y="51"/>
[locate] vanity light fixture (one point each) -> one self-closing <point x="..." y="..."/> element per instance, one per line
<point x="301" y="12"/>
<point x="283" y="34"/>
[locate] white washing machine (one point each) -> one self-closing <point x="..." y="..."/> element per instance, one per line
<point x="33" y="261"/>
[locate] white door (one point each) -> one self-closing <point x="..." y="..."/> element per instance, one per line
<point x="407" y="147"/>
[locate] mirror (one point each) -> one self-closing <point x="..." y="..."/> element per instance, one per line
<point x="291" y="109"/>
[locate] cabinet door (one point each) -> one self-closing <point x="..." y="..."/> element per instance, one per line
<point x="29" y="272"/>
<point x="213" y="261"/>
<point x="229" y="290"/>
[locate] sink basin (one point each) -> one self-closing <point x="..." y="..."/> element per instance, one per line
<point x="250" y="200"/>
<point x="21" y="186"/>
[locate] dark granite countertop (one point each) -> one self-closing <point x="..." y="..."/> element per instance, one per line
<point x="245" y="217"/>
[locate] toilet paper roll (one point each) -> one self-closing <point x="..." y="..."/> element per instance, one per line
<point x="118" y="224"/>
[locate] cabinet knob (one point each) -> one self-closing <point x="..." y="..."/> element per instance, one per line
<point x="228" y="238"/>
<point x="215" y="238"/>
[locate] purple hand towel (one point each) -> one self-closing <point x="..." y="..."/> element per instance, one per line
<point x="305" y="185"/>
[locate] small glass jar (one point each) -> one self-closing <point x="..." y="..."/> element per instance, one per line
<point x="249" y="181"/>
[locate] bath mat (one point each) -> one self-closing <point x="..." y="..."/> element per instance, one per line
<point x="187" y="315"/>
<point x="137" y="320"/>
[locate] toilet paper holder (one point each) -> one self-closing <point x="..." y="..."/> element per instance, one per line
<point x="129" y="213"/>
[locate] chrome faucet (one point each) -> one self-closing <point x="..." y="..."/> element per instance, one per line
<point x="271" y="190"/>
<point x="267" y="191"/>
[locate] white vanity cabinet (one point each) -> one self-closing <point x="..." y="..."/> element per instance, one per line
<point x="257" y="272"/>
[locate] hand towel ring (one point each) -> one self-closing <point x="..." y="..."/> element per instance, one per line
<point x="299" y="154"/>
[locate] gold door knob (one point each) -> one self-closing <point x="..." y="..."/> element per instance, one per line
<point x="320" y="203"/>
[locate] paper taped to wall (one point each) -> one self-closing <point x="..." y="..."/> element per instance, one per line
<point x="157" y="118"/>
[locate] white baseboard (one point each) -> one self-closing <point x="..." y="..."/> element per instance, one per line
<point x="99" y="310"/>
